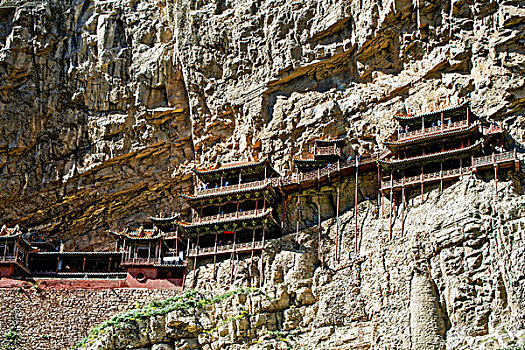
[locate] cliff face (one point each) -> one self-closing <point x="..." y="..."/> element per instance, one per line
<point x="104" y="107"/>
<point x="95" y="130"/>
<point x="451" y="277"/>
<point x="105" y="104"/>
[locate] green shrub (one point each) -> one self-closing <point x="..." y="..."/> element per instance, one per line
<point x="189" y="300"/>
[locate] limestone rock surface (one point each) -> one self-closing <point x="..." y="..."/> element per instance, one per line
<point x="106" y="105"/>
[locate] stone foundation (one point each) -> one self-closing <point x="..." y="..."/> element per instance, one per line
<point x="50" y="316"/>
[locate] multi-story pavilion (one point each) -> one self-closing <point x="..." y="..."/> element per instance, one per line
<point x="322" y="153"/>
<point x="231" y="209"/>
<point x="440" y="146"/>
<point x="14" y="251"/>
<point x="148" y="260"/>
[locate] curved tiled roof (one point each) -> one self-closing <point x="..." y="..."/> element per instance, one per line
<point x="429" y="136"/>
<point x="167" y="219"/>
<point x="140" y="233"/>
<point x="428" y="114"/>
<point x="228" y="166"/>
<point x="10" y="231"/>
<point x="430" y="156"/>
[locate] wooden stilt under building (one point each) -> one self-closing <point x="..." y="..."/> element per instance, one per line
<point x="298" y="219"/>
<point x="390" y="208"/>
<point x="337" y="234"/>
<point x="318" y="226"/>
<point x="355" y="204"/>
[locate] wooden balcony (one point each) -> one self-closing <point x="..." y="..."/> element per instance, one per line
<point x="423" y="178"/>
<point x="480" y="162"/>
<point x="228" y="216"/>
<point x="327" y="151"/>
<point x="157" y="262"/>
<point x="226" y="249"/>
<point x="432" y="130"/>
<point x="495" y="159"/>
<point x="8" y="259"/>
<point x="308" y="179"/>
<point x="320" y="152"/>
<point x="232" y="188"/>
<point x="494" y="129"/>
<point x="140" y="261"/>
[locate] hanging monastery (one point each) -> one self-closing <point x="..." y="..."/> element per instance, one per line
<point x="237" y="208"/>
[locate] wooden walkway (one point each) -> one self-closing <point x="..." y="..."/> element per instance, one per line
<point x="226" y="249"/>
<point x="502" y="160"/>
<point x="324" y="176"/>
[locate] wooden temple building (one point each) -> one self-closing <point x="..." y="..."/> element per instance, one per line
<point x="13" y="252"/>
<point x="323" y="153"/>
<point x="151" y="258"/>
<point x="232" y="210"/>
<point x="437" y="147"/>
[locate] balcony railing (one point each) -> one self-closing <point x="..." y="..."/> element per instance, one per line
<point x="8" y="259"/>
<point x="227" y="216"/>
<point x="220" y="249"/>
<point x="327" y="151"/>
<point x="231" y="188"/>
<point x="494" y="129"/>
<point x="445" y="174"/>
<point x="321" y="151"/>
<point x="433" y="130"/>
<point x="311" y="175"/>
<point x="495" y="158"/>
<point x="140" y="261"/>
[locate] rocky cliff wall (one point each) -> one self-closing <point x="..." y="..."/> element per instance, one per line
<point x="94" y="118"/>
<point x="451" y="277"/>
<point x="105" y="105"/>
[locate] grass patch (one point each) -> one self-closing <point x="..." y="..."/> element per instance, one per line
<point x="189" y="300"/>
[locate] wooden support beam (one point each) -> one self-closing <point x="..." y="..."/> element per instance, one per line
<point x="262" y="255"/>
<point x="379" y="192"/>
<point x="404" y="206"/>
<point x="284" y="208"/>
<point x="496" y="179"/>
<point x="318" y="226"/>
<point x="232" y="256"/>
<point x="390" y="209"/>
<point x="441" y="178"/>
<point x="253" y="247"/>
<point x="298" y="218"/>
<point x="215" y="257"/>
<point x="231" y="266"/>
<point x="395" y="206"/>
<point x="337" y="248"/>
<point x="183" y="278"/>
<point x="403" y="198"/>
<point x="194" y="283"/>
<point x="422" y="178"/>
<point x="355" y="203"/>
